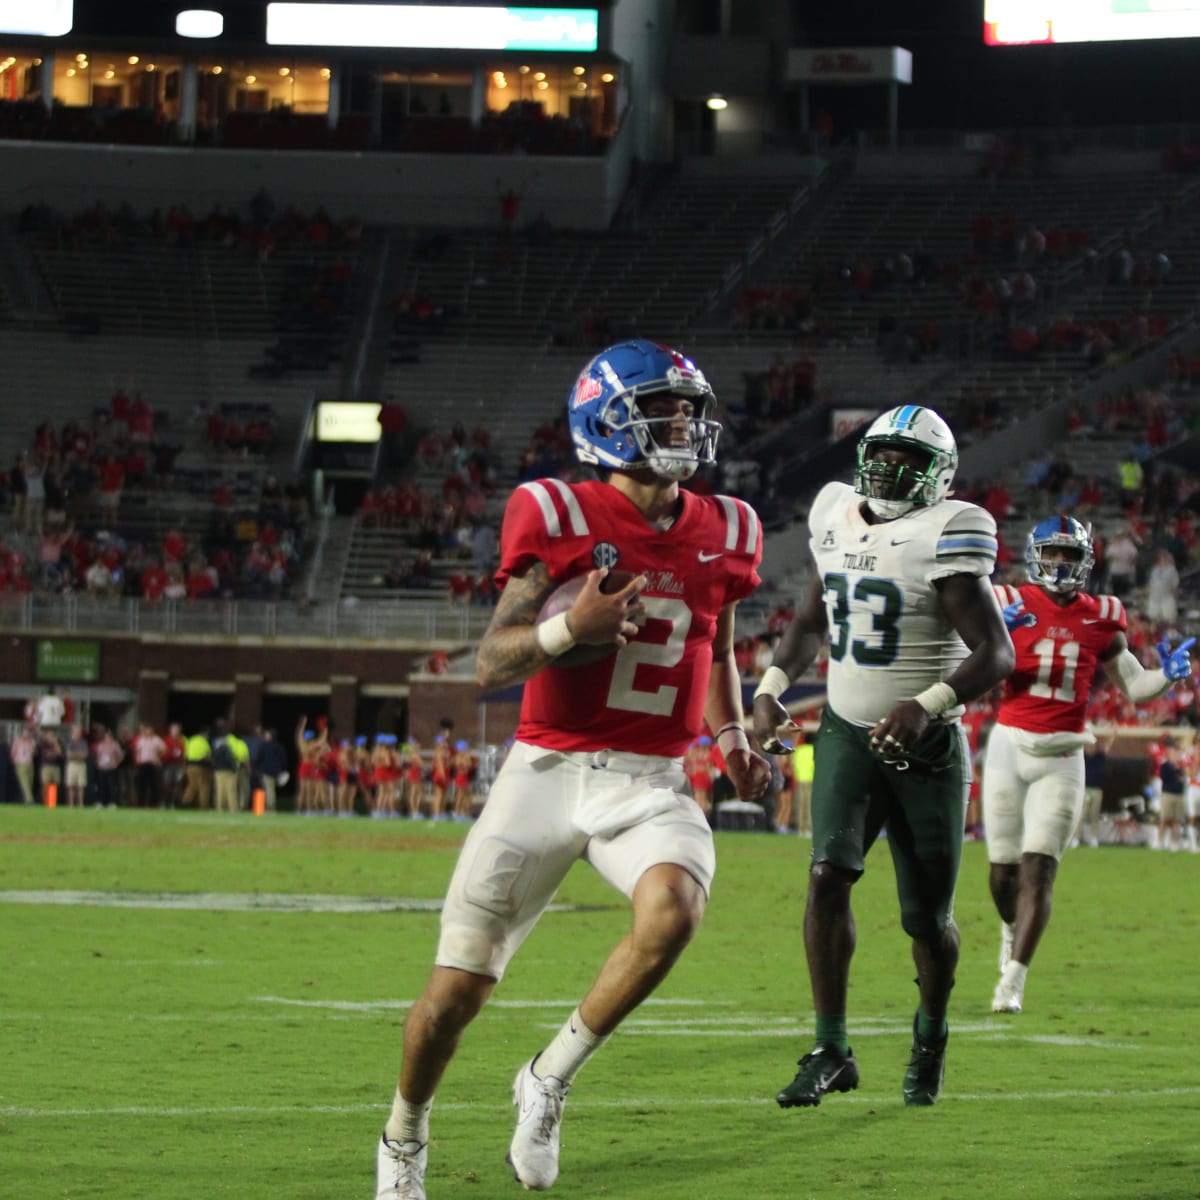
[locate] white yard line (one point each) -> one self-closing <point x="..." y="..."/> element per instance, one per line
<point x="671" y="1103"/>
<point x="376" y="1005"/>
<point x="247" y="901"/>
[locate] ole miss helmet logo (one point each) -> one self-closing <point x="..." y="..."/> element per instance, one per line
<point x="586" y="389"/>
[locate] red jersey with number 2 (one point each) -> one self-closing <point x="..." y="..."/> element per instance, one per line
<point x="649" y="697"/>
<point x="1056" y="658"/>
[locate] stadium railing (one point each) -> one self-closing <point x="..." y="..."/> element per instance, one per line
<point x="409" y="620"/>
<point x="247" y="618"/>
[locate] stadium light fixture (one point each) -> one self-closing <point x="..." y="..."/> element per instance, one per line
<point x="199" y="23"/>
<point x="717" y="103"/>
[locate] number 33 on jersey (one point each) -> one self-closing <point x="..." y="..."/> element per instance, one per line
<point x="645" y="698"/>
<point x="888" y="635"/>
<point x="1056" y="658"/>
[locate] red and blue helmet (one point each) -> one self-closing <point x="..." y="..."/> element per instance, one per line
<point x="609" y="428"/>
<point x="1064" y="533"/>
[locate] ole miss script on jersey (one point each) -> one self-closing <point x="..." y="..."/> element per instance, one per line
<point x="649" y="697"/>
<point x="1056" y="658"/>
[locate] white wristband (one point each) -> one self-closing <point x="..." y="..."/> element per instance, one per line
<point x="732" y="737"/>
<point x="555" y="636"/>
<point x="774" y="683"/>
<point x="937" y="698"/>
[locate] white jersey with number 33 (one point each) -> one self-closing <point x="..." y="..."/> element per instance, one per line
<point x="889" y="637"/>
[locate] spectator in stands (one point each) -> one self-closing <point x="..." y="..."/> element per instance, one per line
<point x="1132" y="479"/>
<point x="201" y="580"/>
<point x="1121" y="558"/>
<point x="35" y="494"/>
<point x="17" y="490"/>
<point x="997" y="500"/>
<point x="1162" y="589"/>
<point x="52" y="552"/>
<point x="510" y="202"/>
<point x="98" y="579"/>
<point x="460" y="588"/>
<point x="140" y="421"/>
<point x="153" y="581"/>
<point x="111" y="479"/>
<point x="1091" y="496"/>
<point x="176" y="588"/>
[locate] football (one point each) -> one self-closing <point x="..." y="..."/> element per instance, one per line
<point x="563" y="597"/>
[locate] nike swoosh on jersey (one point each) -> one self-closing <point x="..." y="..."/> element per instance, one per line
<point x="708" y="557"/>
<point x="1091" y="620"/>
<point x="901" y="542"/>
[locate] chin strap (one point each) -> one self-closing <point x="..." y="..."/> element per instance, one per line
<point x="889" y="510"/>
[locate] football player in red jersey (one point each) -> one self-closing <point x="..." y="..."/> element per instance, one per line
<point x="597" y="768"/>
<point x="1033" y="770"/>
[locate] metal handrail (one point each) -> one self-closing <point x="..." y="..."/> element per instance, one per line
<point x="417" y="621"/>
<point x="422" y="622"/>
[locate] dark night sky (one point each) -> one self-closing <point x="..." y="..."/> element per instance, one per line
<point x="958" y="81"/>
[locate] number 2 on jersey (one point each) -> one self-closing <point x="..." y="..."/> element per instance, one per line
<point x="1055" y="658"/>
<point x="621" y="691"/>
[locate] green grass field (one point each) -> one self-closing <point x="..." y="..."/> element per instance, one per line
<point x="182" y="1053"/>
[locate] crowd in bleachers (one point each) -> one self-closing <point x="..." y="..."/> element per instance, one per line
<point x="450" y="519"/>
<point x="74" y="526"/>
<point x="258" y="232"/>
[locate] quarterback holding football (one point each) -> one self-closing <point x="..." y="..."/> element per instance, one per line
<point x="597" y="769"/>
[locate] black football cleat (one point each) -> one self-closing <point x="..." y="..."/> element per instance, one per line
<point x="926" y="1068"/>
<point x="824" y="1069"/>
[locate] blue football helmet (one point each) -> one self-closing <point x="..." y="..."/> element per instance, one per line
<point x="1063" y="533"/>
<point x="892" y="490"/>
<point x="608" y="426"/>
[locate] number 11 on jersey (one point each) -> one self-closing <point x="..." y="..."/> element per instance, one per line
<point x="1055" y="658"/>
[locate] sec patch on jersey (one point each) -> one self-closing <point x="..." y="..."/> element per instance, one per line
<point x="563" y="597"/>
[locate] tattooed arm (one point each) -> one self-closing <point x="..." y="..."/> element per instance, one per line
<point x="510" y="651"/>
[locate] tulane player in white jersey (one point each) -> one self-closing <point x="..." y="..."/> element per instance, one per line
<point x="901" y="592"/>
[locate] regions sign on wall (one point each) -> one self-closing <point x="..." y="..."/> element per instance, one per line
<point x="67" y="661"/>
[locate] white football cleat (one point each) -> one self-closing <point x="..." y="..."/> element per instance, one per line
<point x="400" y="1170"/>
<point x="1007" y="935"/>
<point x="1009" y="995"/>
<point x="533" y="1153"/>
